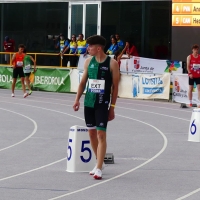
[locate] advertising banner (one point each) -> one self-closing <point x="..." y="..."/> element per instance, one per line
<point x="151" y="87"/>
<point x="140" y="65"/>
<point x="180" y="89"/>
<point x="53" y="80"/>
<point x="6" y="78"/>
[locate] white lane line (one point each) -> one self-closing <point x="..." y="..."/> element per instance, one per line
<point x="43" y="109"/>
<point x="116" y="107"/>
<point x="65" y="158"/>
<point x="50" y="94"/>
<point x="34" y="130"/>
<point x="41" y="167"/>
<point x="153" y="113"/>
<point x="127" y="172"/>
<point x="32" y="170"/>
<point x="189" y="194"/>
<point x="132" y="103"/>
<point x="155" y="107"/>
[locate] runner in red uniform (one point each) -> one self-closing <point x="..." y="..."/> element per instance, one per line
<point x="17" y="64"/>
<point x="193" y="68"/>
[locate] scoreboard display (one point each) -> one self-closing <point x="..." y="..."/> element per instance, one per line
<point x="185" y="27"/>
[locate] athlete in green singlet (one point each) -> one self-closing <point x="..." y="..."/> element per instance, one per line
<point x="27" y="69"/>
<point x="102" y="73"/>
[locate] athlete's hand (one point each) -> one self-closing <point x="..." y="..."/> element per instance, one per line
<point x="191" y="76"/>
<point x="111" y="114"/>
<point x="76" y="105"/>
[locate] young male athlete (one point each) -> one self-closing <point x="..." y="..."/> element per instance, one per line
<point x="17" y="64"/>
<point x="193" y="68"/>
<point x="27" y="69"/>
<point x="102" y="73"/>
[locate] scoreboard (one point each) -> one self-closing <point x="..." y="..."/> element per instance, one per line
<point x="185" y="13"/>
<point x="185" y="27"/>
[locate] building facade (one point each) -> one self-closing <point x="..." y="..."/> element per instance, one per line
<point x="146" y="23"/>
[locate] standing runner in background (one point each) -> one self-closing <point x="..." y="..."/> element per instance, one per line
<point x="17" y="64"/>
<point x="103" y="73"/>
<point x="27" y="69"/>
<point x="193" y="68"/>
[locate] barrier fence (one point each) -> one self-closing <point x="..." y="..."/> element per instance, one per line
<point x="41" y="58"/>
<point x="141" y="78"/>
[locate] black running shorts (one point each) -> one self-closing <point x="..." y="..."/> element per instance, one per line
<point x="18" y="71"/>
<point x="194" y="80"/>
<point x="97" y="117"/>
<point x="27" y="74"/>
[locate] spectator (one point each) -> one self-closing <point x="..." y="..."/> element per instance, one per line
<point x="72" y="50"/>
<point x="119" y="42"/>
<point x="130" y="49"/>
<point x="9" y="46"/>
<point x="81" y="45"/>
<point x="114" y="46"/>
<point x="62" y="44"/>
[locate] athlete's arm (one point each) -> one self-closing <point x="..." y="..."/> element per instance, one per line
<point x="13" y="58"/>
<point x="81" y="85"/>
<point x="115" y="82"/>
<point x="33" y="62"/>
<point x="188" y="66"/>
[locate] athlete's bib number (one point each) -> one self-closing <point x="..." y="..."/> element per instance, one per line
<point x="19" y="63"/>
<point x="96" y="86"/>
<point x="196" y="66"/>
<point x="27" y="67"/>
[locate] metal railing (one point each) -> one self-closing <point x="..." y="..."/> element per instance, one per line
<point x="36" y="57"/>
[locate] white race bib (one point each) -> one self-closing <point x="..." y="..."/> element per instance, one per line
<point x="19" y="63"/>
<point x="196" y="66"/>
<point x="96" y="86"/>
<point x="27" y="67"/>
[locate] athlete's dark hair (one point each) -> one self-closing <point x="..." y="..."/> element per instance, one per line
<point x="21" y="46"/>
<point x="195" y="46"/>
<point x="24" y="51"/>
<point x="96" y="39"/>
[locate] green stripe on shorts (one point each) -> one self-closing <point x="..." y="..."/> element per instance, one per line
<point x="101" y="129"/>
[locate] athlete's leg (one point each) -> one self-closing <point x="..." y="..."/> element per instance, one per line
<point x="13" y="84"/>
<point x="93" y="140"/>
<point x="23" y="85"/>
<point x="101" y="115"/>
<point x="101" y="151"/>
<point x="190" y="92"/>
<point x="27" y="82"/>
<point x="191" y="85"/>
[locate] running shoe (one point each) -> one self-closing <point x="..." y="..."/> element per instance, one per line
<point x="190" y="104"/>
<point x="30" y="92"/>
<point x="98" y="174"/>
<point x="93" y="171"/>
<point x="12" y="95"/>
<point x="25" y="95"/>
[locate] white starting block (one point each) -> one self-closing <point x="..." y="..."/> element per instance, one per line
<point x="80" y="156"/>
<point x="194" y="128"/>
